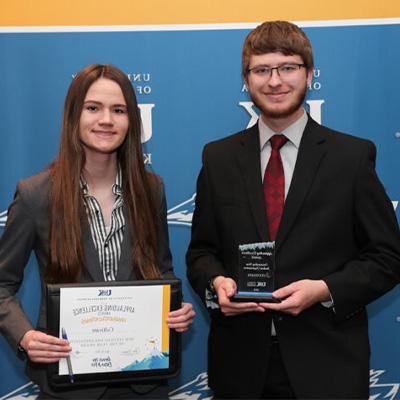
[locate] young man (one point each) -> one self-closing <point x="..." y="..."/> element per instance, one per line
<point x="314" y="192"/>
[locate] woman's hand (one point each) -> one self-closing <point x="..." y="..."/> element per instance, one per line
<point x="42" y="348"/>
<point x="181" y="319"/>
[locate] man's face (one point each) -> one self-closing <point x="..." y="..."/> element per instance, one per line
<point x="278" y="95"/>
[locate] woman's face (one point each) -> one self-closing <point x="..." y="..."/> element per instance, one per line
<point x="103" y="123"/>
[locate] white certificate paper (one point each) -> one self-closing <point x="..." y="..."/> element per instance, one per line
<point x="115" y="328"/>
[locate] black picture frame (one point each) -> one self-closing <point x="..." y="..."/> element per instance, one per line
<point x="53" y="324"/>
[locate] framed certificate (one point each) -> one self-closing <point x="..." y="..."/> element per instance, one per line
<point x="117" y="331"/>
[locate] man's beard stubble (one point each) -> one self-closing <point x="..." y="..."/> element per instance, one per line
<point x="298" y="103"/>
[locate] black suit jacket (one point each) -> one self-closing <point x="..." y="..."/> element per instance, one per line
<point x="27" y="229"/>
<point x="337" y="225"/>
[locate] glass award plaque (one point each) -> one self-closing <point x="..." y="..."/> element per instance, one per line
<point x="255" y="280"/>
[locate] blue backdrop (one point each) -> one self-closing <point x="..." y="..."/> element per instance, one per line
<point x="190" y="92"/>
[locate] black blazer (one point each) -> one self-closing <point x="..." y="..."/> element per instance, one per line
<point x="27" y="229"/>
<point x="337" y="225"/>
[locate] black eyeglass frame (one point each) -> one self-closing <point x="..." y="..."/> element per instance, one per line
<point x="270" y="69"/>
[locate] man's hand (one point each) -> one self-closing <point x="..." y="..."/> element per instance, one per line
<point x="42" y="348"/>
<point x="299" y="296"/>
<point x="226" y="288"/>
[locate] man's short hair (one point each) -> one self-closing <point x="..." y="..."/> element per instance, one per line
<point x="277" y="37"/>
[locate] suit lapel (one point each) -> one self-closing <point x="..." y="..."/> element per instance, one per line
<point x="249" y="160"/>
<point x="311" y="152"/>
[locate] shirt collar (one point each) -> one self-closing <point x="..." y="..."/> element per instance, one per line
<point x="293" y="132"/>
<point x="116" y="188"/>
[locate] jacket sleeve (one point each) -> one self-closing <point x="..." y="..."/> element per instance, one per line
<point x="376" y="268"/>
<point x="202" y="258"/>
<point x="16" y="245"/>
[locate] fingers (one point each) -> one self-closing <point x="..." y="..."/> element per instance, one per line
<point x="299" y="296"/>
<point x="293" y="299"/>
<point x="290" y="305"/>
<point x="285" y="291"/>
<point x="185" y="309"/>
<point x="232" y="308"/>
<point x="44" y="348"/>
<point x="37" y="338"/>
<point x="226" y="288"/>
<point x="46" y="357"/>
<point x="181" y="319"/>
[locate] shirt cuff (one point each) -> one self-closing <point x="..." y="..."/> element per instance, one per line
<point x="329" y="303"/>
<point x="211" y="299"/>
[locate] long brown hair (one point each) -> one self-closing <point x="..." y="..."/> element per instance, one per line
<point x="66" y="208"/>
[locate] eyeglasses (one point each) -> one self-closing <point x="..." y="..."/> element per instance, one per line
<point x="284" y="71"/>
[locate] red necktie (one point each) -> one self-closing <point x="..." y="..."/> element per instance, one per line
<point x="274" y="186"/>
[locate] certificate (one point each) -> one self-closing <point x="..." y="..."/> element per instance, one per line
<point x="116" y="330"/>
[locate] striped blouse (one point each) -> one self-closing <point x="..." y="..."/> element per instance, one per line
<point x="107" y="240"/>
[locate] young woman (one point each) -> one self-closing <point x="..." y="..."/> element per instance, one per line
<point x="95" y="215"/>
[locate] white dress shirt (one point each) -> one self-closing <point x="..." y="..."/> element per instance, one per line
<point x="288" y="151"/>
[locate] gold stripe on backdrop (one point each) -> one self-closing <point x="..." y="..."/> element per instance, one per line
<point x="137" y="12"/>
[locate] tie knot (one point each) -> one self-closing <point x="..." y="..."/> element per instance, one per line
<point x="277" y="141"/>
